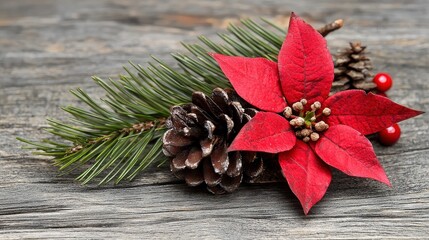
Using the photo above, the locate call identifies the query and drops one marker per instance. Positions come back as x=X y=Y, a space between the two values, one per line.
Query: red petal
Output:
x=367 y=113
x=349 y=151
x=255 y=79
x=266 y=132
x=305 y=64
x=307 y=176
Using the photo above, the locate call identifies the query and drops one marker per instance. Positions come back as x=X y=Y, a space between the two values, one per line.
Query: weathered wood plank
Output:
x=48 y=47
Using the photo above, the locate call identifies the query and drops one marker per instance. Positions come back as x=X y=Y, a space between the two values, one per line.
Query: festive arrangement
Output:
x=264 y=106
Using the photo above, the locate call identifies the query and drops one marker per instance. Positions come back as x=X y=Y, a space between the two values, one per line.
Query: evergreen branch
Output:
x=120 y=135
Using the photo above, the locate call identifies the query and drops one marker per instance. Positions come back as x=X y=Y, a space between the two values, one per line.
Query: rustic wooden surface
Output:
x=48 y=47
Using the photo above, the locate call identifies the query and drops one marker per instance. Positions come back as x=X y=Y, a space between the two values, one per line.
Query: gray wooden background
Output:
x=48 y=47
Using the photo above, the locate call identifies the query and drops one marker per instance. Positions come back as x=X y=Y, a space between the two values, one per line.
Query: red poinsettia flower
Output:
x=298 y=120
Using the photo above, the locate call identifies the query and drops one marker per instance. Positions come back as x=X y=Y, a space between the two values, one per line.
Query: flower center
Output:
x=305 y=122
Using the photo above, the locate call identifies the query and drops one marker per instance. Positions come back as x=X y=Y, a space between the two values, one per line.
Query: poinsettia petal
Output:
x=346 y=149
x=307 y=176
x=266 y=132
x=256 y=80
x=367 y=113
x=305 y=64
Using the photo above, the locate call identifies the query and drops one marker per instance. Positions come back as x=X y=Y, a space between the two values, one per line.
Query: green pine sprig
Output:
x=118 y=136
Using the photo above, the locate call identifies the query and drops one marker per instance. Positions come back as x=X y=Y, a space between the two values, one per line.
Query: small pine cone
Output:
x=352 y=69
x=198 y=136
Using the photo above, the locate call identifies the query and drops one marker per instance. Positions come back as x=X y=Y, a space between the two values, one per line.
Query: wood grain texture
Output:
x=48 y=47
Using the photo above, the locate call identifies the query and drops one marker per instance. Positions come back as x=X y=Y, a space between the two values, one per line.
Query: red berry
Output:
x=390 y=135
x=383 y=81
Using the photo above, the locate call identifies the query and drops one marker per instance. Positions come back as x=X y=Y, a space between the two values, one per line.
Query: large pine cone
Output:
x=352 y=69
x=198 y=136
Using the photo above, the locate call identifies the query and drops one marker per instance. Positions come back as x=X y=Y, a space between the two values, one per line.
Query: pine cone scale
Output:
x=210 y=128
x=255 y=168
x=211 y=178
x=170 y=150
x=231 y=184
x=207 y=146
x=235 y=164
x=194 y=158
x=204 y=102
x=193 y=178
x=175 y=139
x=180 y=159
x=237 y=113
x=179 y=119
x=220 y=98
x=228 y=122
x=219 y=158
